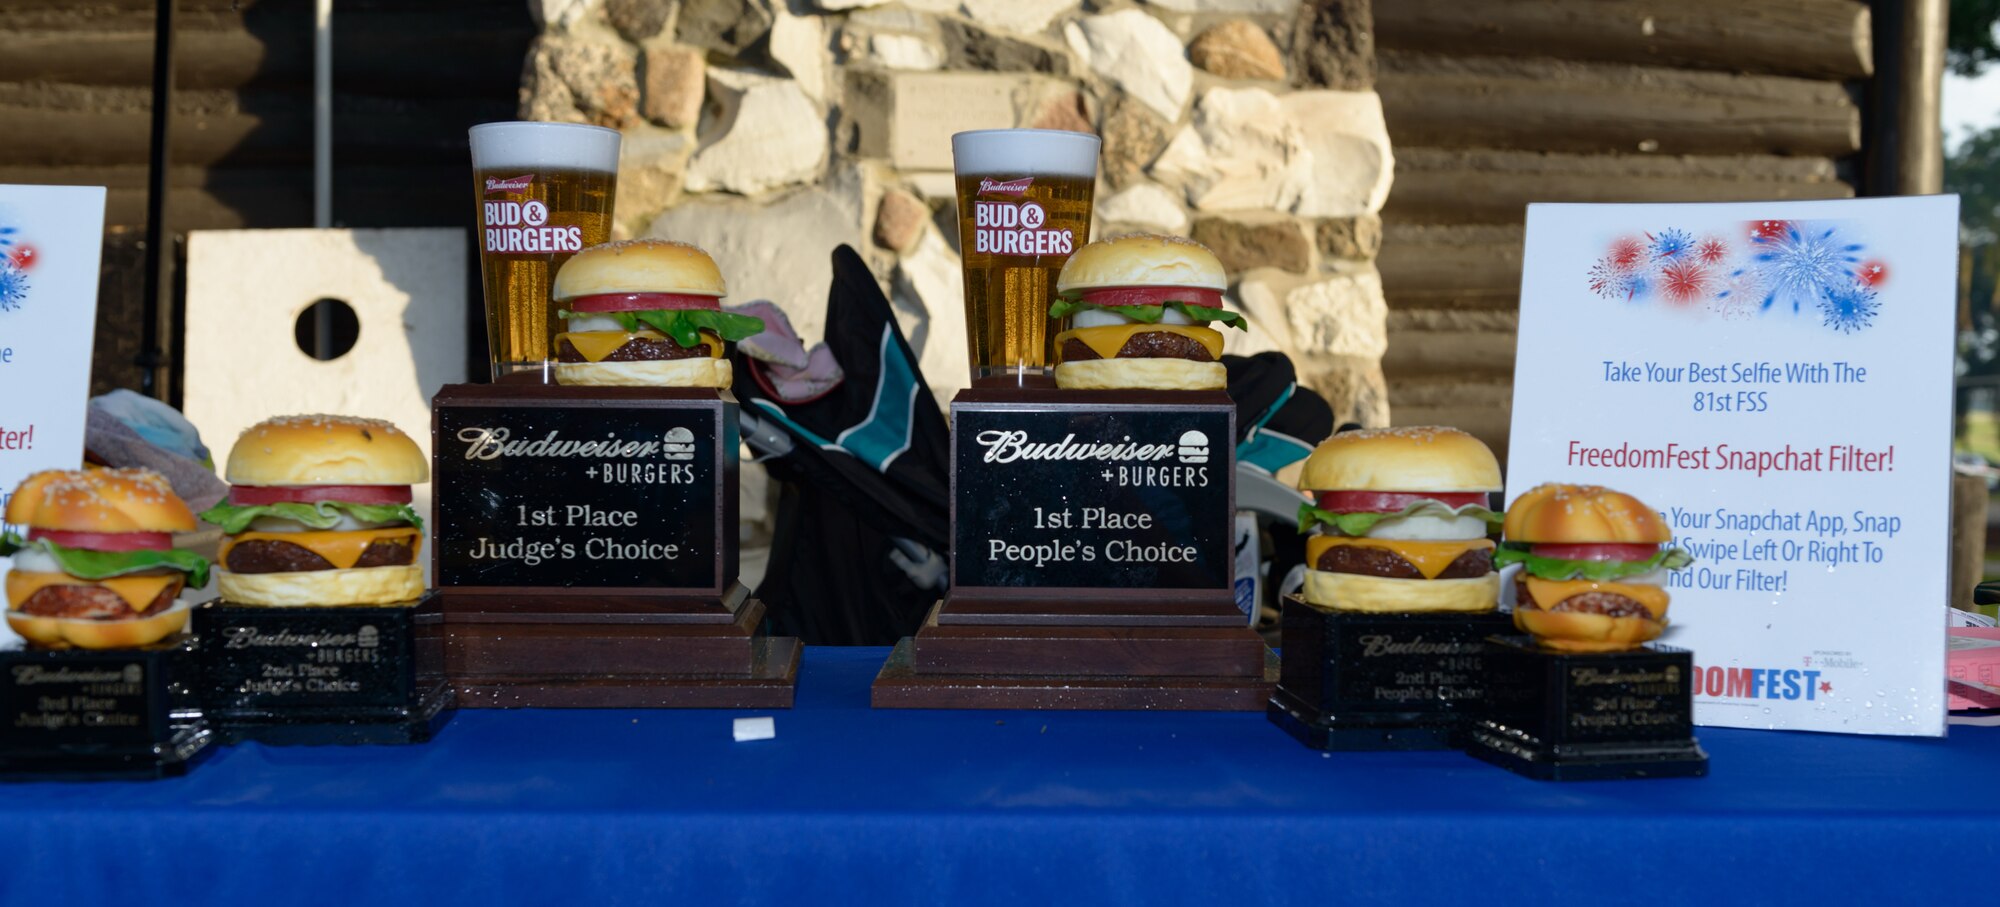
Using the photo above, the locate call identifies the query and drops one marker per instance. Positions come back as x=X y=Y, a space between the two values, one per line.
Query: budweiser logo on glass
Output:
x=1024 y=200
x=544 y=194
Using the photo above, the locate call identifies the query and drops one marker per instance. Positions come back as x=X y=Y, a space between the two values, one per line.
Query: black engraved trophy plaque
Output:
x=1588 y=716
x=99 y=714
x=1091 y=560
x=322 y=675
x=1359 y=680
x=585 y=551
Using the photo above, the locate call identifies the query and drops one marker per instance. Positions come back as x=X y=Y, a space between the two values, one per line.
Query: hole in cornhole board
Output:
x=327 y=329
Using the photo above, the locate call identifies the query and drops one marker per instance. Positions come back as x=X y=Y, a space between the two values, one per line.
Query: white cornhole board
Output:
x=246 y=290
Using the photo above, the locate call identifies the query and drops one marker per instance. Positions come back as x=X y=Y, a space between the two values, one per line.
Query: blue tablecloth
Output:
x=583 y=807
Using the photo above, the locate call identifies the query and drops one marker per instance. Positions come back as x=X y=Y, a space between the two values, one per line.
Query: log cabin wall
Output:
x=409 y=77
x=1492 y=105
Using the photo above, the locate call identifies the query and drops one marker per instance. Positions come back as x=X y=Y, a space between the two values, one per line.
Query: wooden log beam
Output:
x=409 y=55
x=1555 y=105
x=1495 y=187
x=1450 y=344
x=223 y=198
x=1432 y=266
x=258 y=130
x=1814 y=38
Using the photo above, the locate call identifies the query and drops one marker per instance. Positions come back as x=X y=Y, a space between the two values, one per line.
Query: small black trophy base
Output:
x=98 y=715
x=1596 y=716
x=1362 y=680
x=900 y=685
x=317 y=676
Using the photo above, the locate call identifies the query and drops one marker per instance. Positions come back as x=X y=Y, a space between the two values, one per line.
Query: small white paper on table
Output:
x=760 y=728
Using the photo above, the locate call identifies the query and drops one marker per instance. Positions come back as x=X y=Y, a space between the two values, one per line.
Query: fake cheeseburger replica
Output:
x=324 y=632
x=1140 y=307
x=645 y=313
x=1587 y=695
x=1383 y=645
x=94 y=590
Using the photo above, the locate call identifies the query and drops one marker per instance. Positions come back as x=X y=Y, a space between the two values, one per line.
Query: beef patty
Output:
x=1382 y=562
x=93 y=602
x=273 y=556
x=637 y=349
x=1609 y=604
x=1143 y=345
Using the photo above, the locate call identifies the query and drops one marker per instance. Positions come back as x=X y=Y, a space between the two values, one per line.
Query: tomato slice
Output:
x=1595 y=552
x=1154 y=296
x=642 y=302
x=308 y=494
x=106 y=541
x=1395 y=501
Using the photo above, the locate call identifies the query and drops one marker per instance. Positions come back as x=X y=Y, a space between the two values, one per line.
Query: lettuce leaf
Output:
x=1359 y=523
x=234 y=518
x=1151 y=314
x=88 y=564
x=1551 y=568
x=684 y=325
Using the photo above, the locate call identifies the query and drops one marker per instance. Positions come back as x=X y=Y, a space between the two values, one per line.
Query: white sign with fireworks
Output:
x=1776 y=380
x=50 y=241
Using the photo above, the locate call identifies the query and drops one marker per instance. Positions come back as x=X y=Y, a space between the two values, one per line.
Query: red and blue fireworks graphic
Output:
x=15 y=259
x=1792 y=267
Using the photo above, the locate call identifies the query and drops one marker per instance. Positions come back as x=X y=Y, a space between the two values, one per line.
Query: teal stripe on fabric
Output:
x=779 y=414
x=885 y=434
x=1270 y=451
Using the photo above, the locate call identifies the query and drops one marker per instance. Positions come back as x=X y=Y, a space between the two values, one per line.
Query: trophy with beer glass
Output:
x=1092 y=464
x=586 y=509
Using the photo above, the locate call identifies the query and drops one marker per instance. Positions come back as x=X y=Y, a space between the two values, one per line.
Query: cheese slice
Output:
x=137 y=591
x=1106 y=341
x=1548 y=593
x=1430 y=558
x=596 y=346
x=341 y=548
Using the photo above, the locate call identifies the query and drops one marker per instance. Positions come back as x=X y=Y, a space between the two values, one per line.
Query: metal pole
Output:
x=152 y=360
x=323 y=154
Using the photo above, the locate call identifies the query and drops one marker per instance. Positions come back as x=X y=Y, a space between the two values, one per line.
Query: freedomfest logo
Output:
x=16 y=257
x=1776 y=267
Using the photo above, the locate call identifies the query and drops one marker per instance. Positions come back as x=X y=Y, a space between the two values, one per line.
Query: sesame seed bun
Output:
x=63 y=632
x=1142 y=260
x=1425 y=458
x=1380 y=594
x=1582 y=515
x=323 y=588
x=1575 y=631
x=639 y=266
x=1141 y=374
x=700 y=371
x=325 y=450
x=99 y=500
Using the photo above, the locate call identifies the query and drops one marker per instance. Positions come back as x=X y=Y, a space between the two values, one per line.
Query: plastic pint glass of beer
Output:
x=544 y=193
x=1023 y=207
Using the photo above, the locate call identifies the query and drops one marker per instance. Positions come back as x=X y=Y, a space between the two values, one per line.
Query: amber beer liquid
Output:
x=1024 y=199
x=543 y=192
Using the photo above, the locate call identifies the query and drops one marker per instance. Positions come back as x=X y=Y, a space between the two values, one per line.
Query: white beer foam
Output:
x=530 y=145
x=1025 y=152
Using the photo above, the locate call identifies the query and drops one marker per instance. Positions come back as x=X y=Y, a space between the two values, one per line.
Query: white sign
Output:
x=50 y=240
x=1776 y=379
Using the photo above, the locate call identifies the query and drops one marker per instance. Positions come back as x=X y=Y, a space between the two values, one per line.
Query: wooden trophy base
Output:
x=322 y=675
x=99 y=715
x=1588 y=716
x=1358 y=680
x=570 y=650
x=977 y=652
